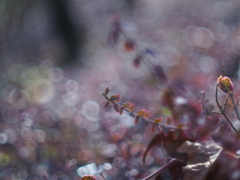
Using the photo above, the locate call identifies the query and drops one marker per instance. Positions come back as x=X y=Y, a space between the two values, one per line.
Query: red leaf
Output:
x=107 y=90
x=158 y=71
x=129 y=45
x=107 y=104
x=137 y=61
x=116 y=107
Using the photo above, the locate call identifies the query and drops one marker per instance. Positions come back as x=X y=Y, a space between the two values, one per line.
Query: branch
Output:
x=134 y=115
x=163 y=168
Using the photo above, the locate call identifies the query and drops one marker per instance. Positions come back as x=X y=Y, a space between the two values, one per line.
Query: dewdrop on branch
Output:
x=225 y=84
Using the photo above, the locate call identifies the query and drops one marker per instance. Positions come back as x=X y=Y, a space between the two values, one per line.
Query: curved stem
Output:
x=223 y=110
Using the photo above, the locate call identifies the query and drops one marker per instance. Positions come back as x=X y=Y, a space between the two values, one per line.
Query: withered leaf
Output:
x=169 y=143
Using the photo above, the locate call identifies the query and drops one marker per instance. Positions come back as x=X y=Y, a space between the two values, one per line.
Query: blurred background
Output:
x=55 y=62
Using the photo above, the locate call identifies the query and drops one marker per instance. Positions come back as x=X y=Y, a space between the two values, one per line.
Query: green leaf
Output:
x=158 y=120
x=141 y=113
x=115 y=98
x=180 y=126
x=131 y=108
x=127 y=105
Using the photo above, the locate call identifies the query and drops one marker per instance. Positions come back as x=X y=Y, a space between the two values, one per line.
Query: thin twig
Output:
x=102 y=176
x=162 y=169
x=224 y=105
x=234 y=106
x=223 y=112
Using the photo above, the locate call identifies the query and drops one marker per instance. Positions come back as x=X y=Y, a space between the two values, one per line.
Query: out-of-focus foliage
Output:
x=58 y=56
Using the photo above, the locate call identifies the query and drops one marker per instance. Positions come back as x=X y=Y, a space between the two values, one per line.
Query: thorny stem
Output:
x=134 y=115
x=235 y=106
x=222 y=110
x=162 y=169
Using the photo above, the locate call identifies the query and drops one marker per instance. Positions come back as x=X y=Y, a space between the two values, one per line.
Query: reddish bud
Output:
x=225 y=84
x=129 y=45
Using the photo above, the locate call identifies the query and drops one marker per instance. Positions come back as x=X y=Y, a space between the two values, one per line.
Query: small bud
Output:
x=225 y=84
x=129 y=45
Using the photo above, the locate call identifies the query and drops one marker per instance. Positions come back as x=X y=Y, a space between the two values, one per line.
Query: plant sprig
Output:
x=142 y=114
